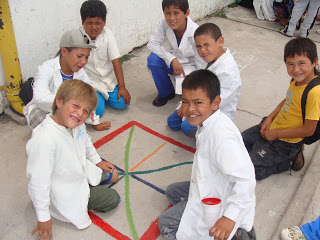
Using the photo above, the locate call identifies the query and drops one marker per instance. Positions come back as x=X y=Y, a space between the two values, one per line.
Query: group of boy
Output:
x=208 y=78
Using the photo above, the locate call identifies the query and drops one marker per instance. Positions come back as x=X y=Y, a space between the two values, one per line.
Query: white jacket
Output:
x=46 y=83
x=221 y=169
x=186 y=53
x=60 y=168
x=228 y=73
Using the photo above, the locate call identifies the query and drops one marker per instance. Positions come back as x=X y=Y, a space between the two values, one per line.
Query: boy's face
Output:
x=93 y=26
x=196 y=106
x=176 y=18
x=209 y=49
x=74 y=60
x=71 y=113
x=300 y=68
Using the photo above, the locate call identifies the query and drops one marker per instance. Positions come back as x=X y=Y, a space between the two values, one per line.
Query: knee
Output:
x=188 y=129
x=174 y=121
x=154 y=60
x=114 y=200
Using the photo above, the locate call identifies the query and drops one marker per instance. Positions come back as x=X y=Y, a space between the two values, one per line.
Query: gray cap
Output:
x=75 y=38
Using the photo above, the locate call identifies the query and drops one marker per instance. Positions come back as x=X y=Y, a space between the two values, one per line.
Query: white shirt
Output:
x=60 y=168
x=186 y=52
x=222 y=169
x=99 y=67
x=226 y=69
x=46 y=83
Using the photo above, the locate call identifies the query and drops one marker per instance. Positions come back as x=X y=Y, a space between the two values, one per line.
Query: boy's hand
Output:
x=177 y=68
x=179 y=113
x=270 y=135
x=107 y=166
x=222 y=228
x=265 y=125
x=122 y=91
x=45 y=230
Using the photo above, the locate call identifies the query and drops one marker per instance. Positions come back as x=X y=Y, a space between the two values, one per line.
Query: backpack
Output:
x=283 y=10
x=316 y=135
x=26 y=91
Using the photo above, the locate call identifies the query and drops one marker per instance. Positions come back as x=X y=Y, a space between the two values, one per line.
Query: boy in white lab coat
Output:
x=180 y=58
x=221 y=169
x=62 y=162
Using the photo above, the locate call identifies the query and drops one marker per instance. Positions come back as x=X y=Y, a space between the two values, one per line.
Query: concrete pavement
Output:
x=152 y=156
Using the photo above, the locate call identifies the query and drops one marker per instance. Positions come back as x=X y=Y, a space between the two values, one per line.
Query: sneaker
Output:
x=293 y=233
x=298 y=160
x=160 y=101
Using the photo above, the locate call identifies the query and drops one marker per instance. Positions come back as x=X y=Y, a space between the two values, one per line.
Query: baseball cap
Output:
x=75 y=38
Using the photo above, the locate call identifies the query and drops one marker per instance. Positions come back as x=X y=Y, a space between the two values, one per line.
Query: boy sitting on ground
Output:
x=209 y=42
x=221 y=169
x=104 y=67
x=181 y=58
x=64 y=167
x=279 y=137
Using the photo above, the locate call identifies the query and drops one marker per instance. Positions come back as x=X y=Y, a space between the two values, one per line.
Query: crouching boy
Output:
x=63 y=166
x=222 y=169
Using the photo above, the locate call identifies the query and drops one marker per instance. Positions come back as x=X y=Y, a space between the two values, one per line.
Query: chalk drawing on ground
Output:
x=243 y=59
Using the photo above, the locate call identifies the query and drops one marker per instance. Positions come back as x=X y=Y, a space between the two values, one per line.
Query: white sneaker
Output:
x=293 y=233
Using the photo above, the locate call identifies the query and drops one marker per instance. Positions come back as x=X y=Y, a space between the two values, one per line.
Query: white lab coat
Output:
x=264 y=9
x=222 y=169
x=60 y=168
x=99 y=66
x=228 y=73
x=46 y=84
x=186 y=53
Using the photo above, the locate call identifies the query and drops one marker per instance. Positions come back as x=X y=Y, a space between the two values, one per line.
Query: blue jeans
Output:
x=160 y=73
x=311 y=230
x=268 y=157
x=112 y=101
x=175 y=123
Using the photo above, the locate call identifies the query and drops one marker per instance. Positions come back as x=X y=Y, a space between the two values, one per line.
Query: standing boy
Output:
x=181 y=57
x=64 y=167
x=221 y=169
x=104 y=67
x=209 y=43
x=279 y=137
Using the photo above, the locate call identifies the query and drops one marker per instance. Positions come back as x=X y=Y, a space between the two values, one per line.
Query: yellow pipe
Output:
x=10 y=60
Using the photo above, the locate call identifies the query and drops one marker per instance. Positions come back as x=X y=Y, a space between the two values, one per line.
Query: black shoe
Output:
x=160 y=101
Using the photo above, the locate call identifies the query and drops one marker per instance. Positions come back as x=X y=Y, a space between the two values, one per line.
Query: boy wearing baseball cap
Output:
x=73 y=55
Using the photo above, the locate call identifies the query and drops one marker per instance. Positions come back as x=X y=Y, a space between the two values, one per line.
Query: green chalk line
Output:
x=127 y=191
x=111 y=185
x=160 y=169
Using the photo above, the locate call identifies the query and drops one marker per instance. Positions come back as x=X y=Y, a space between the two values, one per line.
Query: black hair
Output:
x=69 y=49
x=182 y=4
x=208 y=29
x=204 y=79
x=93 y=8
x=302 y=46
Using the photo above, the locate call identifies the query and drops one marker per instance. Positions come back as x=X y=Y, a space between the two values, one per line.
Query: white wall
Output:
x=39 y=24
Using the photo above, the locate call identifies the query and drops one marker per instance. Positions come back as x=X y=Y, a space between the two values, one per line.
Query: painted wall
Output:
x=39 y=24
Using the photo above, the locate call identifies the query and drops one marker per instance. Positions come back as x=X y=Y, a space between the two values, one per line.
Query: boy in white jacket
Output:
x=222 y=169
x=180 y=58
x=63 y=166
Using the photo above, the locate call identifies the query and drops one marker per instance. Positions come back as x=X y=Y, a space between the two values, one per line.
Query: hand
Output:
x=45 y=230
x=265 y=125
x=222 y=228
x=122 y=91
x=177 y=68
x=107 y=166
x=180 y=113
x=270 y=135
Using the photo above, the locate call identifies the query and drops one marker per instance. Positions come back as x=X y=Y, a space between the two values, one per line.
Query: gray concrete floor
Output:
x=282 y=200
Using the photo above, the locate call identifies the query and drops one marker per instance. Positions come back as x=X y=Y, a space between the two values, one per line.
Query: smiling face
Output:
x=196 y=105
x=74 y=60
x=209 y=49
x=93 y=26
x=176 y=19
x=301 y=69
x=71 y=113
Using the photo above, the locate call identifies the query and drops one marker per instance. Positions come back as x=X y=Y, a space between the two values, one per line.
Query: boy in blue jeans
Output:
x=181 y=57
x=221 y=169
x=278 y=138
x=103 y=68
x=64 y=168
x=209 y=43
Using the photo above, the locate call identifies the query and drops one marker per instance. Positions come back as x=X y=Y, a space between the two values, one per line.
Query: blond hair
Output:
x=76 y=89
